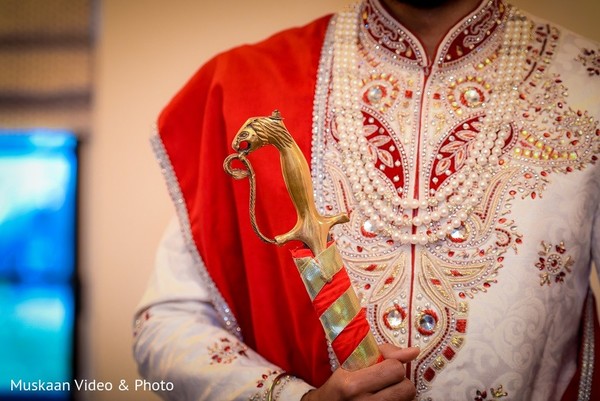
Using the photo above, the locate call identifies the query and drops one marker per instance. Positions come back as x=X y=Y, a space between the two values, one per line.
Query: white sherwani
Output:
x=491 y=284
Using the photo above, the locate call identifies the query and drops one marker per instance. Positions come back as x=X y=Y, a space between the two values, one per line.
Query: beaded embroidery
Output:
x=590 y=59
x=417 y=291
x=553 y=263
x=262 y=385
x=226 y=351
x=495 y=394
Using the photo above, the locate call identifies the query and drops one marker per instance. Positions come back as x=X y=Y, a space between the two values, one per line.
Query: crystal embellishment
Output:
x=473 y=97
x=368 y=230
x=375 y=94
x=458 y=235
x=427 y=322
x=394 y=317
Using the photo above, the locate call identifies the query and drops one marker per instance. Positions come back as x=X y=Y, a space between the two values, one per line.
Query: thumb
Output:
x=404 y=355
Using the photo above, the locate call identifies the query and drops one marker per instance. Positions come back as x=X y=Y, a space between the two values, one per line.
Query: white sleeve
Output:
x=180 y=345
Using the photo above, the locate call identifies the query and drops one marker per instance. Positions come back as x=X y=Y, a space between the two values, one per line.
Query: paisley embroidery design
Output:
x=419 y=137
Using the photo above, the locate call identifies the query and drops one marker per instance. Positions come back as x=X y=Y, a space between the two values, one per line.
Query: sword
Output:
x=319 y=264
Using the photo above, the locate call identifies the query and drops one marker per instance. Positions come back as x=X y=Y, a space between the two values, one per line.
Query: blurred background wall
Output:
x=145 y=50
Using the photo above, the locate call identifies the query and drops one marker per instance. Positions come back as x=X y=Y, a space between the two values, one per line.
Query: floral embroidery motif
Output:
x=226 y=351
x=553 y=263
x=261 y=385
x=421 y=295
x=381 y=91
x=495 y=393
x=470 y=92
x=139 y=322
x=590 y=59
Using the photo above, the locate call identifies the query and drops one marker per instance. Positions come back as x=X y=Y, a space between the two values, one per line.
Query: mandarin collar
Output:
x=469 y=35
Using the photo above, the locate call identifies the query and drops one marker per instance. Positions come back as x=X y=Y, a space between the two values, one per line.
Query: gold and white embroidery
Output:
x=420 y=126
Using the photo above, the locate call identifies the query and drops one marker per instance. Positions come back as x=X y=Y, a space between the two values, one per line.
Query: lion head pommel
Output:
x=260 y=131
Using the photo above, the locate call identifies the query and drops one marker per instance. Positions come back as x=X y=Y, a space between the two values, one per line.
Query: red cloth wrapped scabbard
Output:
x=343 y=319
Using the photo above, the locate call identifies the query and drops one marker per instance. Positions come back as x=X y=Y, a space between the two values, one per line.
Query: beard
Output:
x=424 y=4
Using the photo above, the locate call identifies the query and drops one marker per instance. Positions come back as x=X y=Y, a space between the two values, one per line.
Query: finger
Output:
x=375 y=378
x=404 y=355
x=403 y=391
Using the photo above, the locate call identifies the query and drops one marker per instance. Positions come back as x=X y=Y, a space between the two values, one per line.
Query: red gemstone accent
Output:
x=389 y=280
x=408 y=94
x=367 y=286
x=436 y=96
x=370 y=268
x=435 y=281
x=462 y=295
x=449 y=353
x=429 y=374
x=455 y=273
x=461 y=325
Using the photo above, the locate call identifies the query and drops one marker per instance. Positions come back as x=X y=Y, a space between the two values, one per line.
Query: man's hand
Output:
x=385 y=381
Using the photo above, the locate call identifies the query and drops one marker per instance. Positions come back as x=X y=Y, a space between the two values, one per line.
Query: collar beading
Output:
x=464 y=38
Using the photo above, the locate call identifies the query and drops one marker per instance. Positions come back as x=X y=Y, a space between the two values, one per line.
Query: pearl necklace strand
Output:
x=448 y=208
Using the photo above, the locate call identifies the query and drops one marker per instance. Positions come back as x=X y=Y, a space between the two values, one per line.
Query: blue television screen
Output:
x=38 y=184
